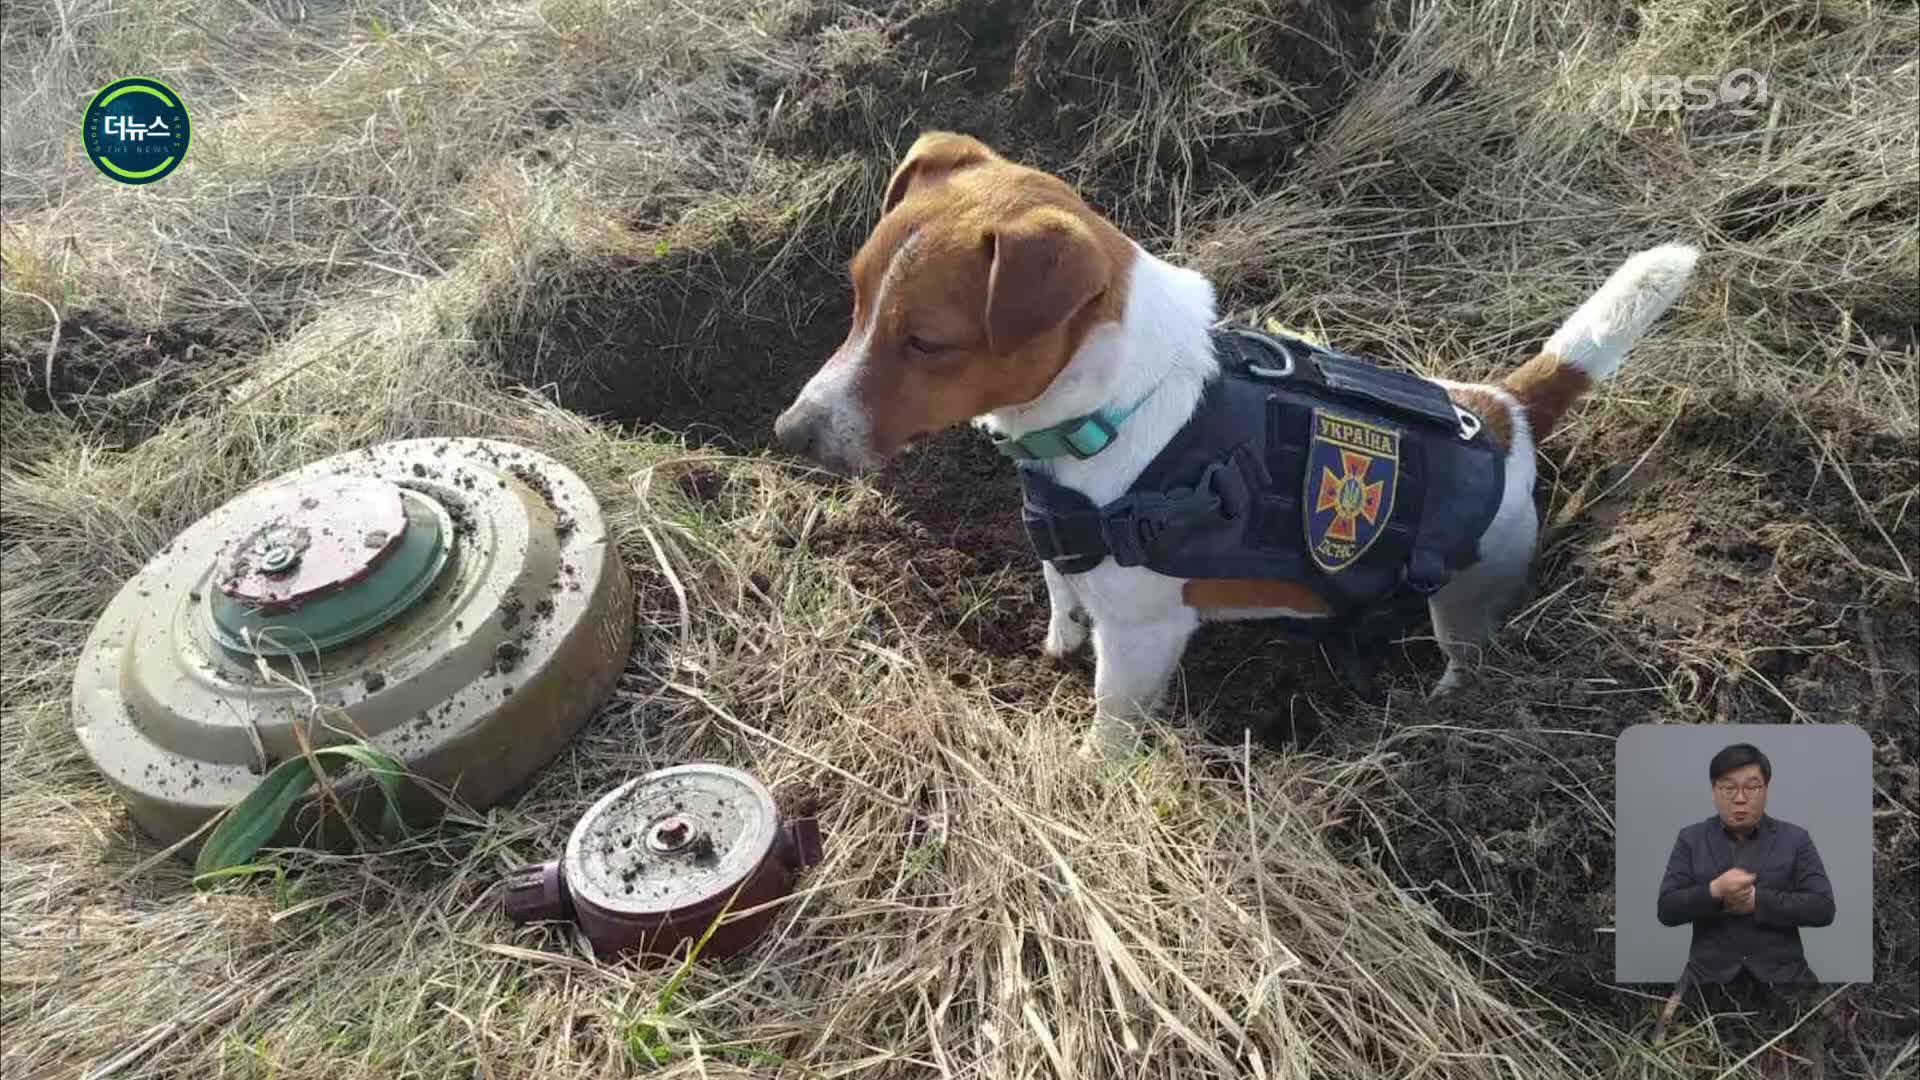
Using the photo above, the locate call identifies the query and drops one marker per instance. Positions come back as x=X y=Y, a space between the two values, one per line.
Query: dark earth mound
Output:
x=1033 y=79
x=121 y=381
x=667 y=342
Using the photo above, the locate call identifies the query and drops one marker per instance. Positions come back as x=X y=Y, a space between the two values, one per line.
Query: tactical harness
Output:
x=1292 y=454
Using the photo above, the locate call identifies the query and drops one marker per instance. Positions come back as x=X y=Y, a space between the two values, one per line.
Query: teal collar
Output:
x=1081 y=437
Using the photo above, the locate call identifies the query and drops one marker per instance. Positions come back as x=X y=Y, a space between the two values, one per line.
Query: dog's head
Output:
x=977 y=286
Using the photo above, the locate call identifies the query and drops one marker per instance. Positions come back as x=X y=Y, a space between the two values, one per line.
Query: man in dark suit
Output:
x=1747 y=882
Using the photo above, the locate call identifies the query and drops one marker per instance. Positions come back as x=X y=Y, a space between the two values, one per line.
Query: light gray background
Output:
x=1822 y=782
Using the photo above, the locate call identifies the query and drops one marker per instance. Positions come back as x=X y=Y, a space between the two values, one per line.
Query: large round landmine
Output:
x=655 y=861
x=454 y=602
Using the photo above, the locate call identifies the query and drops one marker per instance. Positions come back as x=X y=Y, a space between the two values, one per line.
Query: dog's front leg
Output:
x=1132 y=663
x=1065 y=634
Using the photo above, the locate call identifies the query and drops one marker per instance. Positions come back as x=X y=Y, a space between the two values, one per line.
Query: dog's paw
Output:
x=1454 y=678
x=1110 y=740
x=1065 y=636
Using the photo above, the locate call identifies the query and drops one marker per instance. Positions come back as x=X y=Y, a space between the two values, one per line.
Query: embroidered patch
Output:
x=1352 y=469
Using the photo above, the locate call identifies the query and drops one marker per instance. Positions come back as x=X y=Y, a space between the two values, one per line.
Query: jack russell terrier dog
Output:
x=1175 y=470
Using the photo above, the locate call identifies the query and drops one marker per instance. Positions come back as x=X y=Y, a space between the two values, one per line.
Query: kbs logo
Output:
x=136 y=130
x=1742 y=92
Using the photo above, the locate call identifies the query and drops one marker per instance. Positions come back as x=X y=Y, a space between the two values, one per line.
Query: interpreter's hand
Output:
x=1726 y=885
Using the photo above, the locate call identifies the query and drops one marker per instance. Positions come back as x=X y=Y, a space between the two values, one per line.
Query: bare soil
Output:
x=125 y=381
x=1032 y=78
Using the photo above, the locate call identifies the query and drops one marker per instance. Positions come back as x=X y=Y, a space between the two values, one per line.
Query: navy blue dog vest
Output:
x=1303 y=464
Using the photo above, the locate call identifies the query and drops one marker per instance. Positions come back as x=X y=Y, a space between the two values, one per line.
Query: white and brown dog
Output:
x=991 y=292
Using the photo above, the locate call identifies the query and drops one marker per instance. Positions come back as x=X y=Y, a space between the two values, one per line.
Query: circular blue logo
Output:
x=136 y=130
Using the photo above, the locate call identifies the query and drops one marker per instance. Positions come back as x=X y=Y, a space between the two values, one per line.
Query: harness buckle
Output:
x=1132 y=526
x=1287 y=361
x=1071 y=440
x=1042 y=533
x=1469 y=423
x=1129 y=533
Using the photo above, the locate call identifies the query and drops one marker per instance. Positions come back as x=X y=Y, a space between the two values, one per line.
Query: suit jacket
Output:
x=1791 y=891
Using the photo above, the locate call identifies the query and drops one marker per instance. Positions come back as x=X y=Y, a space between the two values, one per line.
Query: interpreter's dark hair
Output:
x=1737 y=756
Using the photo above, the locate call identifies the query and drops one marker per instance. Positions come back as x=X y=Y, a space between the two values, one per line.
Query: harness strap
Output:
x=1274 y=357
x=1132 y=526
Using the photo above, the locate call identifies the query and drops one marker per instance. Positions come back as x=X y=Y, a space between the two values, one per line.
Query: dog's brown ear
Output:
x=933 y=157
x=1047 y=265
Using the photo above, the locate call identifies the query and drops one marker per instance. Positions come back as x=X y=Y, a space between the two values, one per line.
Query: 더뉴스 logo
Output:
x=136 y=130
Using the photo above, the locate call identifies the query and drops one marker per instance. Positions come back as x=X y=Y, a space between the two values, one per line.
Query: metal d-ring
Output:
x=1267 y=372
x=1469 y=424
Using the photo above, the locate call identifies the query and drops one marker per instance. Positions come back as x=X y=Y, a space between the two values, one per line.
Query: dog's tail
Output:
x=1589 y=346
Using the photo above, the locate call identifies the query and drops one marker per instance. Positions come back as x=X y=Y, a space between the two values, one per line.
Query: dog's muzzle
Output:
x=812 y=431
x=797 y=431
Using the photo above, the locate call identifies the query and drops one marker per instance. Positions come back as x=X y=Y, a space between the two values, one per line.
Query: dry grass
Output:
x=386 y=201
x=988 y=899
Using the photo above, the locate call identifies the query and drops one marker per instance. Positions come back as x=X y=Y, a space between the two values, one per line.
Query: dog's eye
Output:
x=923 y=346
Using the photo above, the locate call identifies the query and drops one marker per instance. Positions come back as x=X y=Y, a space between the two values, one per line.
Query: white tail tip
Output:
x=1597 y=336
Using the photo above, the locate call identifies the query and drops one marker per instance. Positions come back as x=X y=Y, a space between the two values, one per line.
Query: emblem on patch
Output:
x=1352 y=469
